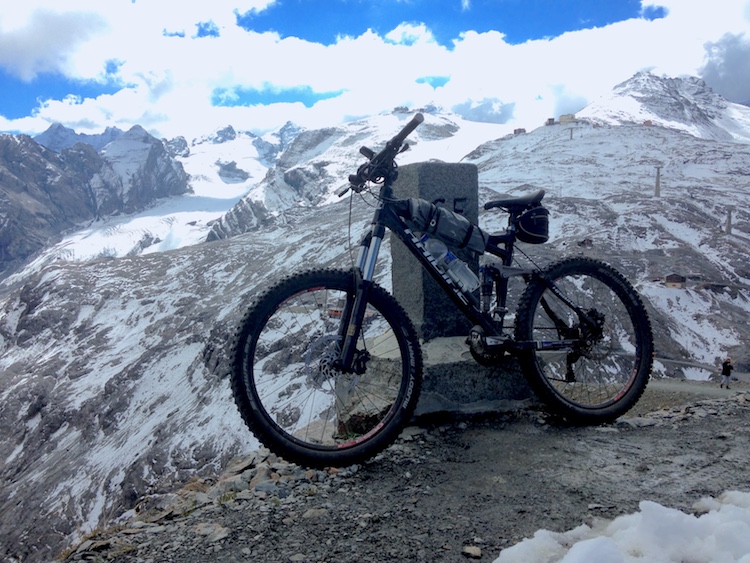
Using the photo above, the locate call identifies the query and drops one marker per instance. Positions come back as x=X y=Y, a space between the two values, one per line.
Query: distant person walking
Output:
x=726 y=372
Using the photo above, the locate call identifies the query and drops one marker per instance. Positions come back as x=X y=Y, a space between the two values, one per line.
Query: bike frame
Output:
x=385 y=217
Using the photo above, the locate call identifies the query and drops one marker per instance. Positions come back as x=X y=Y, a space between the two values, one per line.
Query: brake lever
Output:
x=367 y=170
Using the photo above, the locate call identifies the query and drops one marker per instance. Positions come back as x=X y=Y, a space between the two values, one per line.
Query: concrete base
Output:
x=455 y=383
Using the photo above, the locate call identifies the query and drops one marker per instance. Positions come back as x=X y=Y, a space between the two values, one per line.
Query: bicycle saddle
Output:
x=516 y=204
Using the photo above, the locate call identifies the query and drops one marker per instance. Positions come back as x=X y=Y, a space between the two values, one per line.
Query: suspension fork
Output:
x=354 y=313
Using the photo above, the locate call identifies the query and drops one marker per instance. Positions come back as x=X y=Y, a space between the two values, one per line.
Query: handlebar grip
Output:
x=367 y=153
x=411 y=126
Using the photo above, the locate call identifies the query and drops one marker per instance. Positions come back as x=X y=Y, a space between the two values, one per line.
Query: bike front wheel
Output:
x=289 y=387
x=585 y=339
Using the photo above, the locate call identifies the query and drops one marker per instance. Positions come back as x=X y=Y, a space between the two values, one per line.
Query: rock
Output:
x=269 y=486
x=212 y=532
x=227 y=486
x=314 y=513
x=472 y=552
x=243 y=463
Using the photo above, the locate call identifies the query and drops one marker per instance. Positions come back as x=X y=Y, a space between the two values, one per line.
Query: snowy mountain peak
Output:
x=138 y=133
x=681 y=98
x=58 y=137
x=686 y=104
x=125 y=147
x=284 y=136
x=645 y=82
x=224 y=135
x=144 y=167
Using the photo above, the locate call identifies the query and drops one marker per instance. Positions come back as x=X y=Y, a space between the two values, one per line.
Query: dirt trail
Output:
x=480 y=483
x=665 y=393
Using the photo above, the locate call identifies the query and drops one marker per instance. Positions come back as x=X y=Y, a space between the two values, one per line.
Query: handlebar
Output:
x=380 y=165
x=408 y=128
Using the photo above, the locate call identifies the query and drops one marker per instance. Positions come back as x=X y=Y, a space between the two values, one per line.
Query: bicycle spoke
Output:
x=297 y=382
x=588 y=338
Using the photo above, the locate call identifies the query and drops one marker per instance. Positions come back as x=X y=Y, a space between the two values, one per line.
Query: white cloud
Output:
x=46 y=42
x=169 y=80
x=727 y=67
x=410 y=34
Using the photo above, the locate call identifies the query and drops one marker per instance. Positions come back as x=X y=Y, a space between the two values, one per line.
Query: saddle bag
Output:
x=453 y=229
x=532 y=225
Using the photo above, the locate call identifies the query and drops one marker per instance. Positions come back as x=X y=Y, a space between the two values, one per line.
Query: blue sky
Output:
x=259 y=63
x=519 y=20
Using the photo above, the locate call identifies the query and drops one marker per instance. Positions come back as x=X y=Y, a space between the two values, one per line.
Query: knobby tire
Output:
x=606 y=371
x=288 y=388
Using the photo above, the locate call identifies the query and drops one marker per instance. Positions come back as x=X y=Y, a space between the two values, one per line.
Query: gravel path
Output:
x=451 y=490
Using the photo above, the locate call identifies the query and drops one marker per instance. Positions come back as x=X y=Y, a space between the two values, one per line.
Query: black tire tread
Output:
x=256 y=422
x=553 y=402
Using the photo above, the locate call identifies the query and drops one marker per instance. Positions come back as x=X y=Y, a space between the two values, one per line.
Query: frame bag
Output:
x=453 y=229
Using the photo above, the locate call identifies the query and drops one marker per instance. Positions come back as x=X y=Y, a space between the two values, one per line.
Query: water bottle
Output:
x=456 y=269
x=460 y=272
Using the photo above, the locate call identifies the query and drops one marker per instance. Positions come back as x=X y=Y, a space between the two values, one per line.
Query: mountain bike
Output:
x=327 y=366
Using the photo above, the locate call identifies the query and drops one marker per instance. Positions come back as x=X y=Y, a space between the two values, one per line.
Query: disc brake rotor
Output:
x=319 y=363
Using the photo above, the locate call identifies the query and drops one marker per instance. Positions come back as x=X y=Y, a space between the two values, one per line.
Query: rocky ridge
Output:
x=44 y=193
x=58 y=137
x=685 y=104
x=314 y=165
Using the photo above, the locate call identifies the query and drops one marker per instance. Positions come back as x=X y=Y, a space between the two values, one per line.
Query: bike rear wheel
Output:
x=589 y=371
x=287 y=385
